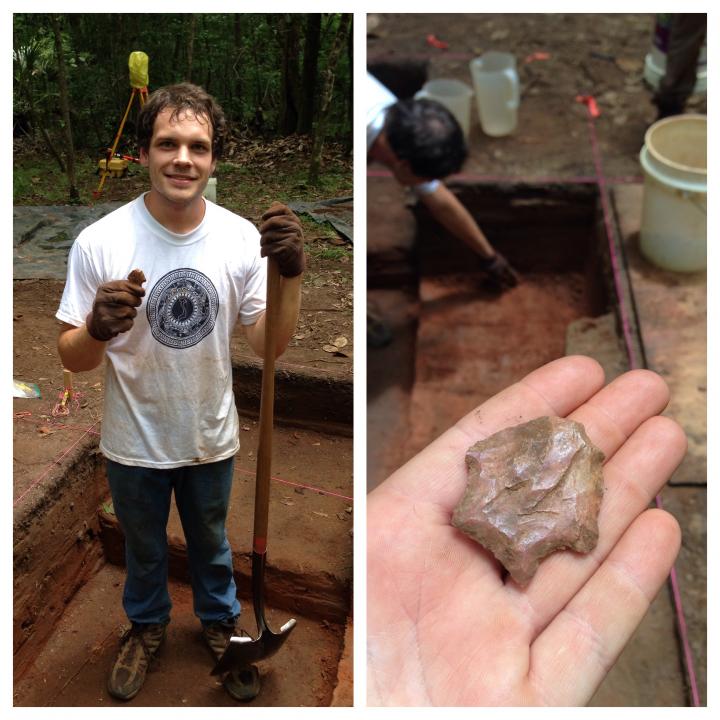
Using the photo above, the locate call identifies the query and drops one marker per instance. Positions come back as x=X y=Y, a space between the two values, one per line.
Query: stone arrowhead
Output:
x=532 y=489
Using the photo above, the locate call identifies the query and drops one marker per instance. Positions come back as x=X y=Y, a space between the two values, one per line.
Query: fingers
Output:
x=633 y=477
x=276 y=208
x=642 y=451
x=437 y=474
x=611 y=416
x=114 y=309
x=280 y=224
x=281 y=238
x=120 y=292
x=575 y=652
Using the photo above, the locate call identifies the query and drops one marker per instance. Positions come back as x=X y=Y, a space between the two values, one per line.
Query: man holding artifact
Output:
x=156 y=288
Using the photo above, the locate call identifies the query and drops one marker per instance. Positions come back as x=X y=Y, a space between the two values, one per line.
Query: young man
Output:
x=169 y=421
x=420 y=141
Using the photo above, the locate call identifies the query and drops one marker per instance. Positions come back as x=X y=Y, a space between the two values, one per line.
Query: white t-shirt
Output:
x=168 y=382
x=379 y=99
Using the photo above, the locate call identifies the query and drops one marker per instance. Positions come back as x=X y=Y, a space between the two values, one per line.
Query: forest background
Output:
x=283 y=80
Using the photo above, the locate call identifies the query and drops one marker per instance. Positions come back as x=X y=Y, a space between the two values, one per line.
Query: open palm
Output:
x=446 y=628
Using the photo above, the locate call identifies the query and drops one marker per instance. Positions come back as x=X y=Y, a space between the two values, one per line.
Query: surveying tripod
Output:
x=138 y=65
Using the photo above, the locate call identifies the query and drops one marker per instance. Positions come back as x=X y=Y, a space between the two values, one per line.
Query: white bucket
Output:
x=673 y=234
x=497 y=90
x=210 y=191
x=454 y=95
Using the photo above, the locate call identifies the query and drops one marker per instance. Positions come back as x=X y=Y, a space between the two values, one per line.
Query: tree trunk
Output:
x=309 y=73
x=349 y=96
x=190 y=48
x=290 y=73
x=65 y=109
x=237 y=65
x=326 y=97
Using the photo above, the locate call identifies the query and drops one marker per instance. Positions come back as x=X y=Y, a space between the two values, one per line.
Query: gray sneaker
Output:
x=243 y=684
x=138 y=646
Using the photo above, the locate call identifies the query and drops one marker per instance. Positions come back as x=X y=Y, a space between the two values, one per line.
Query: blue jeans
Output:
x=141 y=498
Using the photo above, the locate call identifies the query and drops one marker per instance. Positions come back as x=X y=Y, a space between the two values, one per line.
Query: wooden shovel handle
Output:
x=267 y=397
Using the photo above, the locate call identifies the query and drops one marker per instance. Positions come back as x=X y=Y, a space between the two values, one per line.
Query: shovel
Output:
x=243 y=651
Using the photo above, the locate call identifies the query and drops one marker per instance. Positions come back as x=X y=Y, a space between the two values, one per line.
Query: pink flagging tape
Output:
x=540 y=179
x=675 y=586
x=682 y=627
x=53 y=464
x=319 y=491
x=612 y=241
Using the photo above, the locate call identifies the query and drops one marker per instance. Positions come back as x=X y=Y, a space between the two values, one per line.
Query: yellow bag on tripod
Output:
x=138 y=64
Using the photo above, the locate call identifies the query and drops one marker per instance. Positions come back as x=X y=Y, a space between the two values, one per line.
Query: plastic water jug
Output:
x=673 y=234
x=497 y=90
x=454 y=95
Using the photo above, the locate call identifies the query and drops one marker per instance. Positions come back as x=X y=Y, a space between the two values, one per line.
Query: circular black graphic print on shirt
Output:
x=182 y=308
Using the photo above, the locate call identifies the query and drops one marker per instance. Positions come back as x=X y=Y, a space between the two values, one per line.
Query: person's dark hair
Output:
x=183 y=98
x=427 y=135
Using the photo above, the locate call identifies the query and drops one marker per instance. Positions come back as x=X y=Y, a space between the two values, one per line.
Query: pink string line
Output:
x=25 y=417
x=54 y=463
x=682 y=626
x=544 y=179
x=624 y=315
x=319 y=491
x=679 y=613
x=90 y=431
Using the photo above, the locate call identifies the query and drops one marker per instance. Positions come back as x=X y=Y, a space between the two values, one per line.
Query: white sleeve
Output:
x=81 y=286
x=426 y=188
x=378 y=99
x=252 y=303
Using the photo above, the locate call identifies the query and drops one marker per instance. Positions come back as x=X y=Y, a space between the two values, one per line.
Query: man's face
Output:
x=179 y=157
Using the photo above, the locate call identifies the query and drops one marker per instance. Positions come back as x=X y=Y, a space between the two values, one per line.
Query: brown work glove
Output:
x=500 y=275
x=114 y=309
x=281 y=238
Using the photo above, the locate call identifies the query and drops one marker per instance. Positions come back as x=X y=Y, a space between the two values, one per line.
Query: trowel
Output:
x=245 y=650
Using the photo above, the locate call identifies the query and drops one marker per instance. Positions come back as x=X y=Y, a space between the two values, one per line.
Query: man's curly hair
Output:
x=183 y=98
x=427 y=135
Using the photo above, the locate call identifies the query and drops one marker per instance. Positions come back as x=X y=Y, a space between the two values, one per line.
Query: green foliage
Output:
x=329 y=253
x=237 y=57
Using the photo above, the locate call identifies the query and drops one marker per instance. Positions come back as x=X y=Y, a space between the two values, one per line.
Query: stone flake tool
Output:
x=532 y=489
x=243 y=650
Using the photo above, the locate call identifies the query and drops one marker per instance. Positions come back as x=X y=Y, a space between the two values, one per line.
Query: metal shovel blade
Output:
x=243 y=651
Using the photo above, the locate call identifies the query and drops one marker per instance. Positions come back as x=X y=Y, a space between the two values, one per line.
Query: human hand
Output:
x=281 y=238
x=114 y=308
x=444 y=628
x=500 y=275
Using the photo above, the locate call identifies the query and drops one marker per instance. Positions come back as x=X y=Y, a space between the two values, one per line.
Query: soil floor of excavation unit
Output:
x=73 y=667
x=471 y=344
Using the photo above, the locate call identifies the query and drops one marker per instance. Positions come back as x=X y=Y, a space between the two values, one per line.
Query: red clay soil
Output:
x=471 y=345
x=56 y=514
x=40 y=438
x=73 y=667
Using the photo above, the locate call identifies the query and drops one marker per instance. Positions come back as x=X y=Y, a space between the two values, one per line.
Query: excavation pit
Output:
x=68 y=547
x=457 y=343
